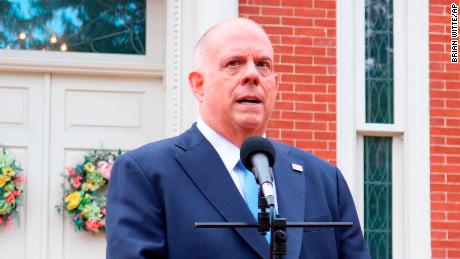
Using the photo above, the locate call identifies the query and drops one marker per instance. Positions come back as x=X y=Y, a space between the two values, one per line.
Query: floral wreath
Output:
x=11 y=188
x=85 y=190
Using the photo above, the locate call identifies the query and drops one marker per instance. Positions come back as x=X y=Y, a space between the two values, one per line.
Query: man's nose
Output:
x=251 y=75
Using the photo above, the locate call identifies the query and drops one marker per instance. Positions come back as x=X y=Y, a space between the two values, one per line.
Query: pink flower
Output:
x=105 y=168
x=13 y=196
x=103 y=211
x=10 y=198
x=1 y=220
x=19 y=179
x=93 y=225
x=70 y=171
x=77 y=181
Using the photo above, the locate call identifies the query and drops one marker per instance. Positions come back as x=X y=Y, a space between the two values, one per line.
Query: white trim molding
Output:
x=173 y=66
x=410 y=132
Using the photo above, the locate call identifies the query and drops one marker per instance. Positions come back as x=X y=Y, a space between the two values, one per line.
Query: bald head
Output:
x=231 y=24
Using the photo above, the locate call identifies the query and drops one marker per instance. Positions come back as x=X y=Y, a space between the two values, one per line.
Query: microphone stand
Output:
x=275 y=223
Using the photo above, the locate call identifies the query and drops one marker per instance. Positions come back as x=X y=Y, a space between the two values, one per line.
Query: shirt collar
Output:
x=228 y=153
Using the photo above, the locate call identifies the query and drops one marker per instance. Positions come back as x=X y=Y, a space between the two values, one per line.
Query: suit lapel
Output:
x=204 y=166
x=290 y=192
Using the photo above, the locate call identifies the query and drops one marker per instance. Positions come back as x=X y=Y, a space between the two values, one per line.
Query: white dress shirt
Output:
x=230 y=156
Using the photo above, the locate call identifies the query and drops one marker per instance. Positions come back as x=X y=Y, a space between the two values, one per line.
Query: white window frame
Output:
x=410 y=131
x=152 y=63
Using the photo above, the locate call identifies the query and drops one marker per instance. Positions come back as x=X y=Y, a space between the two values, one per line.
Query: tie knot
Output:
x=242 y=167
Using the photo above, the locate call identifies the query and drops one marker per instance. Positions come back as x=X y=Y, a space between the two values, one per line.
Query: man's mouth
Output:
x=249 y=100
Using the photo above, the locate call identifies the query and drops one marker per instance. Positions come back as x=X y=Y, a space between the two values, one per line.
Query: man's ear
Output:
x=196 y=82
x=277 y=82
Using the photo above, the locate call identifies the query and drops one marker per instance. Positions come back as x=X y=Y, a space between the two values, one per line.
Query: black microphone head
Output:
x=256 y=144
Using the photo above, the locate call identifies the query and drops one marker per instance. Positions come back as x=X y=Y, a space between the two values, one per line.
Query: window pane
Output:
x=84 y=26
x=377 y=196
x=379 y=61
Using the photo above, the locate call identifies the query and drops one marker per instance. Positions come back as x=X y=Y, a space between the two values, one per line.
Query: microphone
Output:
x=258 y=155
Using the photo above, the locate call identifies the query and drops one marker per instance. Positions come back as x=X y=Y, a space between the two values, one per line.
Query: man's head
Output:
x=234 y=81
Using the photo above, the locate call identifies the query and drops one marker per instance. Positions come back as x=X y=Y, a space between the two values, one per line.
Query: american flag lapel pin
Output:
x=297 y=168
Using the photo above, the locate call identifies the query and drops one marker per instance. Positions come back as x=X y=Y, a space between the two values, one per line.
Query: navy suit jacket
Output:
x=157 y=193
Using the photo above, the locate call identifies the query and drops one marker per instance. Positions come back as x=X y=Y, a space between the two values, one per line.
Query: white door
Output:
x=50 y=121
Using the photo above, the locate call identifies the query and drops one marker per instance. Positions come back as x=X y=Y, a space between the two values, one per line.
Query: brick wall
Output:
x=304 y=37
x=445 y=136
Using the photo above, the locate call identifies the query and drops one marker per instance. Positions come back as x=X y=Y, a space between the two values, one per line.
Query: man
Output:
x=158 y=192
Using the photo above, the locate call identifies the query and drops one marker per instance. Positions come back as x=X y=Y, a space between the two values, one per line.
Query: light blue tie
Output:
x=251 y=193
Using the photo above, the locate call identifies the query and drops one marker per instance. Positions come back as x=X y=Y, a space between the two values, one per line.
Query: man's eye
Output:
x=265 y=64
x=233 y=63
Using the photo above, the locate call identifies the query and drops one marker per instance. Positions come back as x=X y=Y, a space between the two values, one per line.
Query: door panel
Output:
x=95 y=112
x=21 y=128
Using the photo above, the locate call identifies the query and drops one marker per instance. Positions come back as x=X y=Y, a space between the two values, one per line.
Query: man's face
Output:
x=239 y=85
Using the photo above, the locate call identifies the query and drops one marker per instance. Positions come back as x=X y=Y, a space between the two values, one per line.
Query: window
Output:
x=117 y=27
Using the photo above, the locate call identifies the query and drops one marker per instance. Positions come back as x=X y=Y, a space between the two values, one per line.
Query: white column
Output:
x=198 y=16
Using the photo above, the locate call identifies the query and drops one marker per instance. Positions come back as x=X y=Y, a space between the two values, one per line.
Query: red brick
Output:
x=279 y=30
x=325 y=79
x=445 y=149
x=284 y=49
x=297 y=59
x=454 y=104
x=453 y=216
x=281 y=124
x=310 y=107
x=305 y=41
x=325 y=117
x=325 y=154
x=313 y=32
x=439 y=19
x=445 y=168
x=324 y=60
x=296 y=21
x=297 y=78
x=310 y=125
x=437 y=140
x=301 y=116
x=266 y=19
x=296 y=134
x=284 y=68
x=438 y=197
x=296 y=97
x=455 y=141
x=279 y=11
x=310 y=13
x=438 y=234
x=445 y=188
x=437 y=159
x=325 y=23
x=438 y=28
x=310 y=69
x=249 y=9
x=438 y=178
x=280 y=105
x=313 y=51
x=436 y=9
x=434 y=47
x=325 y=4
x=453 y=159
x=445 y=112
x=453 y=197
x=310 y=145
x=311 y=88
x=297 y=3
x=264 y=2
x=324 y=42
x=325 y=98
